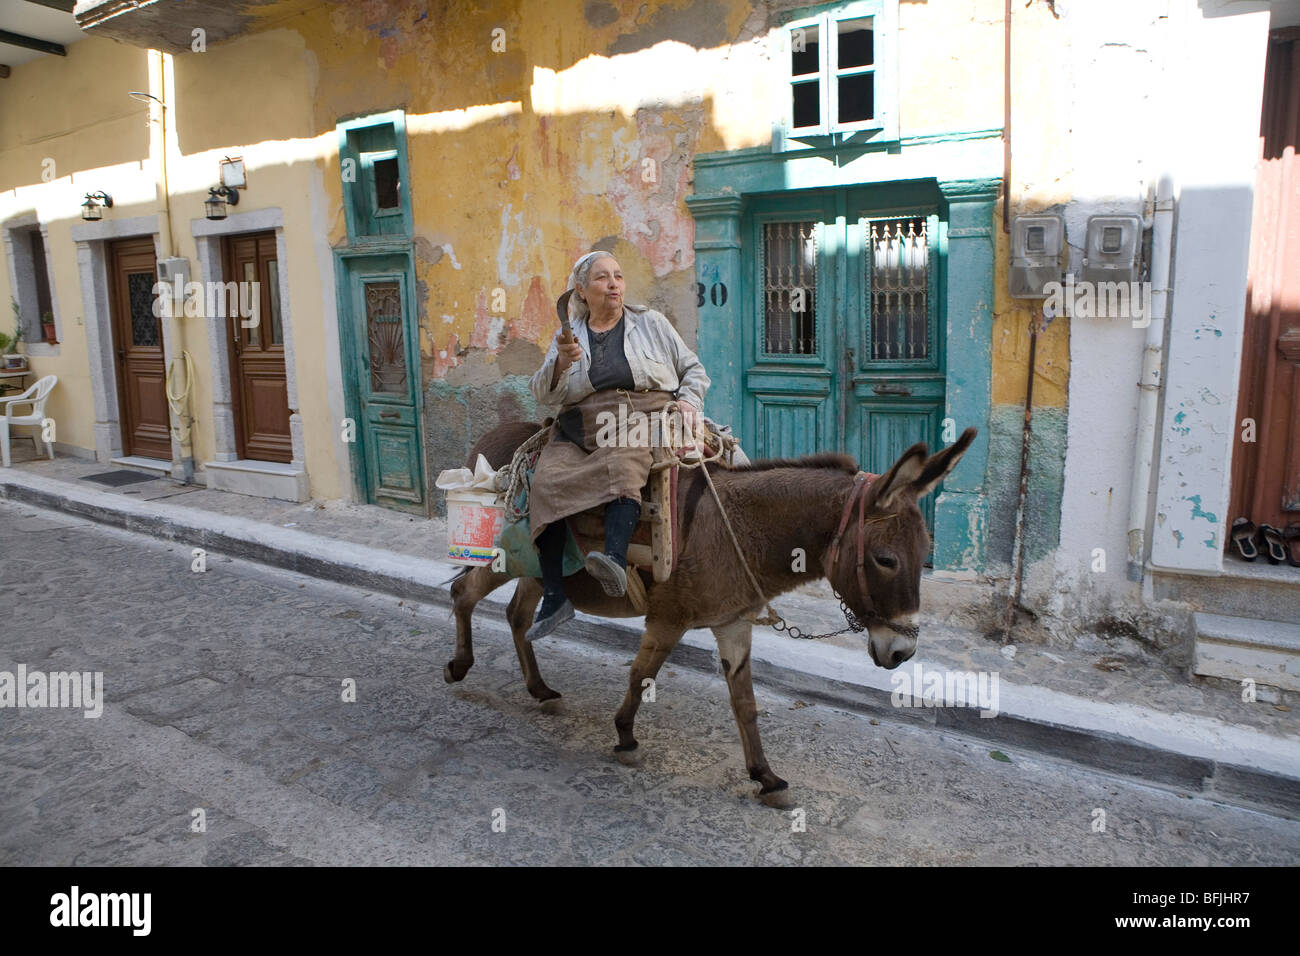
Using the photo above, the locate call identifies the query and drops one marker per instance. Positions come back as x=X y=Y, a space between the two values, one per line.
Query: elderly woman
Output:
x=626 y=356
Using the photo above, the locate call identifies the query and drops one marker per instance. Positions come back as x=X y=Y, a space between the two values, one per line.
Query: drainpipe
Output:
x=1026 y=435
x=158 y=118
x=178 y=368
x=1162 y=231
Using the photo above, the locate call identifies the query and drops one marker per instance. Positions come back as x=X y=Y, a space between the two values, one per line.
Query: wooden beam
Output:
x=64 y=5
x=31 y=43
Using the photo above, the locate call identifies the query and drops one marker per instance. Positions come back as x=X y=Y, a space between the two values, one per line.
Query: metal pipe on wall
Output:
x=1162 y=231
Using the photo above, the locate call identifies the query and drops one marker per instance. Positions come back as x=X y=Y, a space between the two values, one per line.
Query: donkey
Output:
x=866 y=536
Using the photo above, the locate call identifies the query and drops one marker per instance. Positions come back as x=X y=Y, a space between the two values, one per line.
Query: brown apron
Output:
x=576 y=472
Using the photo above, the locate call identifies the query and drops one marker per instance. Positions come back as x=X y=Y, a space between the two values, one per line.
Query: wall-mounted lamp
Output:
x=92 y=210
x=218 y=196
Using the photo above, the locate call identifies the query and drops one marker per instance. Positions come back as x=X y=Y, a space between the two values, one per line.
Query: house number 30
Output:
x=717 y=294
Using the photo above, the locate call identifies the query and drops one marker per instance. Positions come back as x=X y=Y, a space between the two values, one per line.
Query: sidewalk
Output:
x=1140 y=720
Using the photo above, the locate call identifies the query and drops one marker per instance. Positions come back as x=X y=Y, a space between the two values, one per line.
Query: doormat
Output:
x=115 y=478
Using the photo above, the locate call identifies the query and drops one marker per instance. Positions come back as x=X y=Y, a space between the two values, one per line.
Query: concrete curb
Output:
x=1196 y=754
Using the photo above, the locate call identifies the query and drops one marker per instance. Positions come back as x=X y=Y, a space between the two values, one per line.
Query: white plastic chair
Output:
x=35 y=397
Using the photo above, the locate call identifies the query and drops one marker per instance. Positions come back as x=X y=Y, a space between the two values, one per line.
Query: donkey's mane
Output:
x=824 y=460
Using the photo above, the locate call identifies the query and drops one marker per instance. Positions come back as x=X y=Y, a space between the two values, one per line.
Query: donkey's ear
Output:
x=940 y=464
x=899 y=478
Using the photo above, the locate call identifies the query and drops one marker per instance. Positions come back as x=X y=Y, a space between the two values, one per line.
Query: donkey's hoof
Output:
x=778 y=796
x=455 y=671
x=628 y=755
x=554 y=705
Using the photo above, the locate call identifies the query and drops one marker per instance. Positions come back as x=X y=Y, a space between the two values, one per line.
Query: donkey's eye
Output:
x=886 y=560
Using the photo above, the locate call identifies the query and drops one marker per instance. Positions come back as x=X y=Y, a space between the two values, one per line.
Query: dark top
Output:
x=609 y=367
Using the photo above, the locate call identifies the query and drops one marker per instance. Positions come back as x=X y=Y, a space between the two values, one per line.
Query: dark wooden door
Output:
x=138 y=348
x=255 y=338
x=1266 y=472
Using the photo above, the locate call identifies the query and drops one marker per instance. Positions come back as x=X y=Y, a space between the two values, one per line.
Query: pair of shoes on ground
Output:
x=1280 y=545
x=557 y=609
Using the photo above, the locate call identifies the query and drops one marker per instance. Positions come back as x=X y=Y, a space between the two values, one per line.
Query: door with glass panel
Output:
x=843 y=351
x=138 y=347
x=255 y=336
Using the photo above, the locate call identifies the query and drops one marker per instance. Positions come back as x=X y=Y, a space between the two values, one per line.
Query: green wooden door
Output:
x=382 y=368
x=842 y=345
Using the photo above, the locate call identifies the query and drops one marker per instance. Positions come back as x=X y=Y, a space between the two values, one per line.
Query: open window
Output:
x=372 y=162
x=840 y=68
x=31 y=286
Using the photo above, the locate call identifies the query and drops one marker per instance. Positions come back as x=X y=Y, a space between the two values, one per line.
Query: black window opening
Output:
x=387 y=184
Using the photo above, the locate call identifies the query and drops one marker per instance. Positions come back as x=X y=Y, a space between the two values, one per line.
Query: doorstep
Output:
x=155 y=465
x=261 y=479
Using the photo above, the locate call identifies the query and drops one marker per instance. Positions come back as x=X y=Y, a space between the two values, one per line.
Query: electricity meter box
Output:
x=1037 y=255
x=1112 y=251
x=177 y=267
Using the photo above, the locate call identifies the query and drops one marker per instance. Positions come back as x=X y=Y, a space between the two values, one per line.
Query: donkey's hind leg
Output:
x=656 y=644
x=466 y=591
x=520 y=611
x=734 y=641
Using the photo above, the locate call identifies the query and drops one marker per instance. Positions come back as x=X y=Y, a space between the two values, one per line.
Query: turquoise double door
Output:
x=841 y=340
x=379 y=341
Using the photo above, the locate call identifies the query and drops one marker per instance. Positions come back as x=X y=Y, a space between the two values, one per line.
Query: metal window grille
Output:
x=900 y=285
x=789 y=288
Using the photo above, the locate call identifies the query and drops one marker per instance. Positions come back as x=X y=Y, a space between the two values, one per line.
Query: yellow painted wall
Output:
x=58 y=118
x=520 y=160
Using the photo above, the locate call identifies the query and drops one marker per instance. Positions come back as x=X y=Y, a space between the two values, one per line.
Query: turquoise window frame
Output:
x=365 y=222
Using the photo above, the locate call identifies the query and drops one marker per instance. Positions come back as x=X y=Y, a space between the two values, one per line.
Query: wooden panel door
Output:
x=895 y=386
x=792 y=368
x=384 y=370
x=259 y=393
x=843 y=352
x=138 y=348
x=1266 y=472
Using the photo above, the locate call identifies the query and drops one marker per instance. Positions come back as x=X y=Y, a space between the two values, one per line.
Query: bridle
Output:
x=861 y=482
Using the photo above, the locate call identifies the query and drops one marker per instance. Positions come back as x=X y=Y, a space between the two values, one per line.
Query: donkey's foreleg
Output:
x=466 y=592
x=520 y=611
x=734 y=641
x=656 y=644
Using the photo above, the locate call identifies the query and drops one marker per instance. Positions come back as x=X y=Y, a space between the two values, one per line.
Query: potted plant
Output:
x=47 y=328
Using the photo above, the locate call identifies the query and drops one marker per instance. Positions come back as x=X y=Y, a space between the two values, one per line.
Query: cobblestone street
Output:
x=223 y=692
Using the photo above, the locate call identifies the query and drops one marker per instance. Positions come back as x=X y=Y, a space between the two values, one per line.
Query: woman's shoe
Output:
x=555 y=610
x=1243 y=538
x=611 y=575
x=1291 y=538
x=1274 y=543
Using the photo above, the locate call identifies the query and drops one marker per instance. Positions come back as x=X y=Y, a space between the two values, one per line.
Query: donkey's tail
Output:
x=455 y=577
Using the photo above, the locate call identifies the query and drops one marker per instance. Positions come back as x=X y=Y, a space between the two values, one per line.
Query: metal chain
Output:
x=778 y=623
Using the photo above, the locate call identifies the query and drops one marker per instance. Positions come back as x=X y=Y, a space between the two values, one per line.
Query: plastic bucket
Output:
x=474 y=523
